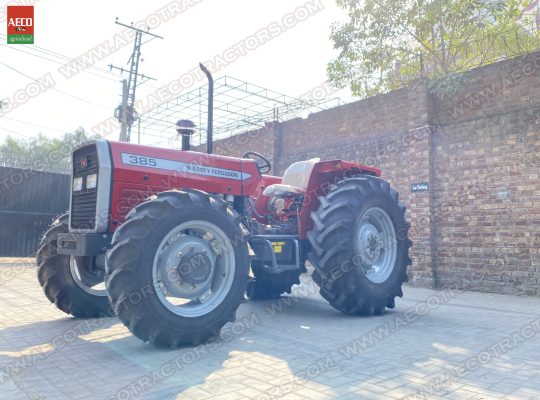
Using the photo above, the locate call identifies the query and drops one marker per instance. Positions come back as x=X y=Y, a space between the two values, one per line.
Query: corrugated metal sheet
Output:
x=29 y=202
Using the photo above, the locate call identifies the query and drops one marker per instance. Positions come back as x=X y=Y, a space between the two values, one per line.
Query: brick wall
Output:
x=487 y=189
x=478 y=226
x=261 y=141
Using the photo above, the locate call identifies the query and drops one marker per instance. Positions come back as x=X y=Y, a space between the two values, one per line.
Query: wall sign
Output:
x=419 y=187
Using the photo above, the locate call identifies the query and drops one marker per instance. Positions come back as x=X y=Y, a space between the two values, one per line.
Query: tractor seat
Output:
x=295 y=180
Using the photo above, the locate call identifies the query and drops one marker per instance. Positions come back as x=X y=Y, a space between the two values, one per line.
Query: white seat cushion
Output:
x=280 y=190
x=295 y=179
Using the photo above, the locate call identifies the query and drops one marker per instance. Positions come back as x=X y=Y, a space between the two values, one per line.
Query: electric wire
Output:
x=58 y=62
x=57 y=90
x=9 y=131
x=34 y=125
x=64 y=58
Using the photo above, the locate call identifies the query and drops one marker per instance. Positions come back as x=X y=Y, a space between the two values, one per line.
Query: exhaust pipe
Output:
x=210 y=124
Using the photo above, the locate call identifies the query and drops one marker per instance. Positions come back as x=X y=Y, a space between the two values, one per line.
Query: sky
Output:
x=292 y=61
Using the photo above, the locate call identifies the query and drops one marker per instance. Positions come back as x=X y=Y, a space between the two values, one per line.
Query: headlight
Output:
x=91 y=181
x=77 y=184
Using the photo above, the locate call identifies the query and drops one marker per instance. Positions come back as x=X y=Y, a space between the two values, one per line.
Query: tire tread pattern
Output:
x=58 y=285
x=331 y=240
x=122 y=264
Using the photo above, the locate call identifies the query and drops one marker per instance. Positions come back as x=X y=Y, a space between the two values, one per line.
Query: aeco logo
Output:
x=20 y=24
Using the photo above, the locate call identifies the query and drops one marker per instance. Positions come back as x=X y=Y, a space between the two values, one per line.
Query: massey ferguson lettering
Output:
x=182 y=167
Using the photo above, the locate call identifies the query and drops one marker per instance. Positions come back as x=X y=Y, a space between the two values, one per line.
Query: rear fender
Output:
x=324 y=175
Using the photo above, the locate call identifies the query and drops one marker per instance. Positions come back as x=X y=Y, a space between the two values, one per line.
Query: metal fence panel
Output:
x=29 y=202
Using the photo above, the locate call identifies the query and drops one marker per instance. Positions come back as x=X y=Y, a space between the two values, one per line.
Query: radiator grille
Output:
x=84 y=202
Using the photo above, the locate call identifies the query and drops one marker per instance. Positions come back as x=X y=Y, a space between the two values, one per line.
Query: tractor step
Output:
x=278 y=253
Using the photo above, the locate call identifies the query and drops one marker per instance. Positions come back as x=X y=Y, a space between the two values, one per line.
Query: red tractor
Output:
x=165 y=239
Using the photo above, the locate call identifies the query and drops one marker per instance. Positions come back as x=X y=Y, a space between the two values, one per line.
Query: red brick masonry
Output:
x=478 y=225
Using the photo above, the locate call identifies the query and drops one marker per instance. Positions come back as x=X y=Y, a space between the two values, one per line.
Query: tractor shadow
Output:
x=268 y=342
x=23 y=338
x=273 y=349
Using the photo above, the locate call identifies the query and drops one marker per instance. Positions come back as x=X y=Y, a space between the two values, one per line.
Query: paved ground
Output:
x=448 y=344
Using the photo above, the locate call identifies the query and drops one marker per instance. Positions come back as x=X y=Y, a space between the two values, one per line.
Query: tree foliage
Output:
x=41 y=152
x=385 y=44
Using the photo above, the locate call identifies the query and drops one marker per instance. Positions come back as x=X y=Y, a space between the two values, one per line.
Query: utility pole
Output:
x=126 y=113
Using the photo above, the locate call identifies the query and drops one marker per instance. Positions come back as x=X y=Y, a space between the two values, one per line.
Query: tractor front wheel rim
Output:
x=90 y=283
x=193 y=269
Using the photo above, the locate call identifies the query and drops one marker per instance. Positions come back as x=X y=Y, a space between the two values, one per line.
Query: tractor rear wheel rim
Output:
x=376 y=245
x=193 y=269
x=96 y=288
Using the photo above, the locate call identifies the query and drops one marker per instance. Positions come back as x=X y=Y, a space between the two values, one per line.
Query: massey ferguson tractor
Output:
x=166 y=239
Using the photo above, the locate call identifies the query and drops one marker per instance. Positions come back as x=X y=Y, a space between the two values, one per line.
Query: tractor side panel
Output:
x=326 y=173
x=126 y=196
x=140 y=171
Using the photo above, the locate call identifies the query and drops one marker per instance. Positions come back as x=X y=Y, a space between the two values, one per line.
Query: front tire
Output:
x=360 y=246
x=71 y=283
x=178 y=268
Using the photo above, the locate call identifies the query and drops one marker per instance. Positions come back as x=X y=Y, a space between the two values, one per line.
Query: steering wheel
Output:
x=263 y=164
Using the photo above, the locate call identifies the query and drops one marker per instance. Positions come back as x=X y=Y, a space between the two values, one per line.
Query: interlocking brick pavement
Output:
x=450 y=344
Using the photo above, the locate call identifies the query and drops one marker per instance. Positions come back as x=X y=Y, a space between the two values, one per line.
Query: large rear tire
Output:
x=178 y=268
x=360 y=246
x=73 y=284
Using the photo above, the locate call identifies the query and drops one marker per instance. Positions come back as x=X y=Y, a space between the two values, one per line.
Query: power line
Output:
x=35 y=125
x=56 y=90
x=66 y=58
x=114 y=77
x=15 y=133
x=59 y=62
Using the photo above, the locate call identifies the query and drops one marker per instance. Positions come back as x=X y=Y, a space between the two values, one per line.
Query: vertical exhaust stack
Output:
x=209 y=138
x=185 y=128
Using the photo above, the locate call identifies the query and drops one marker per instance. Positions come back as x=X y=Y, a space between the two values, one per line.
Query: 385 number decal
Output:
x=142 y=160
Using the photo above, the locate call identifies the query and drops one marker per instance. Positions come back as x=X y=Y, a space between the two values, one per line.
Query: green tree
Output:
x=42 y=153
x=385 y=44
